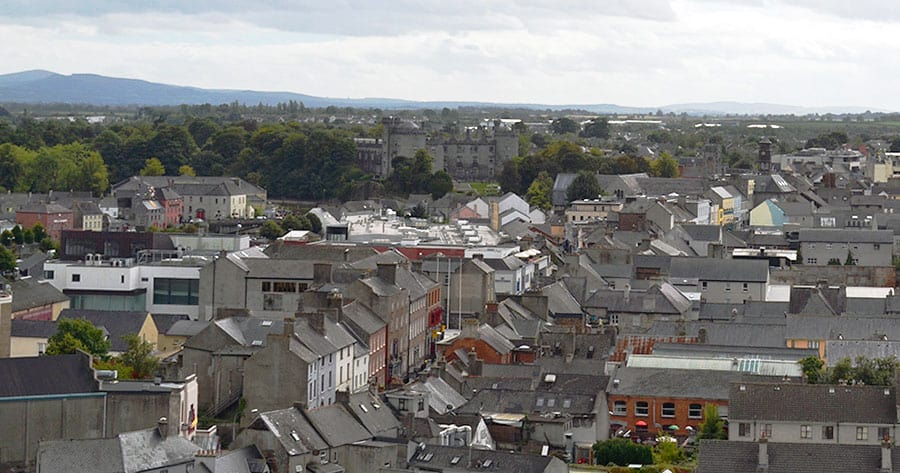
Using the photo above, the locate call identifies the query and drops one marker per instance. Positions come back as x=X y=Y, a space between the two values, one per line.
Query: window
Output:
x=767 y=428
x=668 y=409
x=284 y=287
x=812 y=261
x=884 y=433
x=746 y=287
x=49 y=275
x=173 y=291
x=728 y=287
x=42 y=348
x=827 y=432
x=551 y=402
x=862 y=433
x=695 y=411
x=642 y=409
x=876 y=246
x=421 y=405
x=614 y=319
x=805 y=431
x=744 y=429
x=539 y=402
x=266 y=286
x=704 y=285
x=620 y=408
x=401 y=404
x=76 y=278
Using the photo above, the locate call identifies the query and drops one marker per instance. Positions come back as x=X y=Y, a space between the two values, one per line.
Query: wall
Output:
x=866 y=254
x=835 y=275
x=363 y=457
x=222 y=285
x=5 y=324
x=275 y=377
x=25 y=346
x=655 y=404
x=789 y=432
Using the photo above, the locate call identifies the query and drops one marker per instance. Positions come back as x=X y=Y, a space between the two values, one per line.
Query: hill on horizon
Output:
x=41 y=86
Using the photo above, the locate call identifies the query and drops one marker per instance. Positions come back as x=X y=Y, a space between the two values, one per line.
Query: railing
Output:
x=223 y=404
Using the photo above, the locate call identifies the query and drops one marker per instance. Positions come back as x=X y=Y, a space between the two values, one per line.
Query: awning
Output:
x=640 y=423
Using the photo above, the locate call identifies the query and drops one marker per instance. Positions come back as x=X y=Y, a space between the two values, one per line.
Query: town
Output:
x=656 y=292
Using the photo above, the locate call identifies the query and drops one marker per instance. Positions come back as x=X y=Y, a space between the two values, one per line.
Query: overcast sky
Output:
x=628 y=52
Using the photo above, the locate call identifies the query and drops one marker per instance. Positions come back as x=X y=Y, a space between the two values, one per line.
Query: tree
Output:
x=850 y=260
x=440 y=184
x=7 y=260
x=667 y=452
x=596 y=128
x=315 y=225
x=812 y=369
x=18 y=237
x=153 y=167
x=271 y=230
x=664 y=166
x=712 y=427
x=563 y=125
x=72 y=334
x=48 y=244
x=186 y=170
x=28 y=236
x=540 y=191
x=7 y=238
x=39 y=232
x=584 y=186
x=622 y=452
x=139 y=357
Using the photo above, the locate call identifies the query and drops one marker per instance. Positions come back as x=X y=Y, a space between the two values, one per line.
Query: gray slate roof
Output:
x=828 y=235
x=718 y=456
x=675 y=383
x=29 y=293
x=116 y=323
x=812 y=403
x=336 y=426
x=33 y=328
x=710 y=269
x=440 y=458
x=45 y=375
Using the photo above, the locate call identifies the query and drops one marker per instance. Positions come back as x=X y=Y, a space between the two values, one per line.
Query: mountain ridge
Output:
x=42 y=86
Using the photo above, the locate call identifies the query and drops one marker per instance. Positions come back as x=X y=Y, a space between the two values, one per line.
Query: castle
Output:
x=479 y=156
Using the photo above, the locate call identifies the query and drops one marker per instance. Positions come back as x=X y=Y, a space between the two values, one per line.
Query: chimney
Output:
x=316 y=321
x=764 y=454
x=342 y=397
x=321 y=273
x=478 y=256
x=289 y=327
x=162 y=426
x=416 y=266
x=469 y=328
x=388 y=272
x=300 y=405
x=627 y=295
x=336 y=303
x=491 y=307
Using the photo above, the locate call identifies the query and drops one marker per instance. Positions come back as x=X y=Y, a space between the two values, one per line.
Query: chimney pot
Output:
x=162 y=426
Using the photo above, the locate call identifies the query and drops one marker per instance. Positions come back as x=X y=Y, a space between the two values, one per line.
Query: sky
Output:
x=628 y=52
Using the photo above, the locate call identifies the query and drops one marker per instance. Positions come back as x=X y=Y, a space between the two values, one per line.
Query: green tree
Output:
x=540 y=191
x=664 y=166
x=440 y=184
x=584 y=186
x=563 y=125
x=271 y=230
x=315 y=225
x=153 y=167
x=850 y=260
x=72 y=334
x=596 y=128
x=186 y=170
x=139 y=357
x=48 y=244
x=39 y=232
x=622 y=452
x=7 y=238
x=18 y=237
x=667 y=452
x=712 y=427
x=812 y=368
x=7 y=261
x=28 y=236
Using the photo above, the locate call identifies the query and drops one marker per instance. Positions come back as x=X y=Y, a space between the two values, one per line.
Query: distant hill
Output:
x=39 y=86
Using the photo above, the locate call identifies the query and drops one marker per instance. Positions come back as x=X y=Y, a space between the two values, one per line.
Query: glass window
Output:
x=48 y=274
x=620 y=408
x=805 y=432
x=76 y=278
x=827 y=432
x=767 y=428
x=862 y=433
x=884 y=433
x=743 y=429
x=266 y=286
x=668 y=409
x=284 y=287
x=641 y=408
x=171 y=291
x=695 y=411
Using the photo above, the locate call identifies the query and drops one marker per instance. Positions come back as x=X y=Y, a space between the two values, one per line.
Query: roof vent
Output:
x=887 y=392
x=616 y=382
x=830 y=390
x=550 y=378
x=743 y=387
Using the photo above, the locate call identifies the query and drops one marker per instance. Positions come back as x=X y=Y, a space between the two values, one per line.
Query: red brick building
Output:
x=648 y=401
x=173 y=205
x=484 y=340
x=53 y=217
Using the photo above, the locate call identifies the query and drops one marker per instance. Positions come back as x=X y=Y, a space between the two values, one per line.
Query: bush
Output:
x=622 y=452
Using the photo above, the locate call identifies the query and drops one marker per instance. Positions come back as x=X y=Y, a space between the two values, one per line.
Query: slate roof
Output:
x=116 y=323
x=332 y=253
x=373 y=414
x=526 y=402
x=703 y=232
x=828 y=235
x=675 y=383
x=33 y=328
x=837 y=350
x=717 y=456
x=842 y=328
x=441 y=458
x=493 y=338
x=288 y=424
x=560 y=300
x=144 y=450
x=363 y=318
x=336 y=426
x=794 y=402
x=94 y=455
x=186 y=328
x=710 y=269
x=29 y=293
x=164 y=322
x=736 y=334
x=45 y=375
x=441 y=396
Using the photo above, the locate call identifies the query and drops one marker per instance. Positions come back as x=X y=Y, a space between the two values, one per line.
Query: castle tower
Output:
x=765 y=156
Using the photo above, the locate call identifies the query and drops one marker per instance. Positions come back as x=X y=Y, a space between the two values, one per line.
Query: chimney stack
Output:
x=163 y=427
x=316 y=321
x=322 y=273
x=388 y=272
x=288 y=326
x=886 y=464
x=763 y=454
